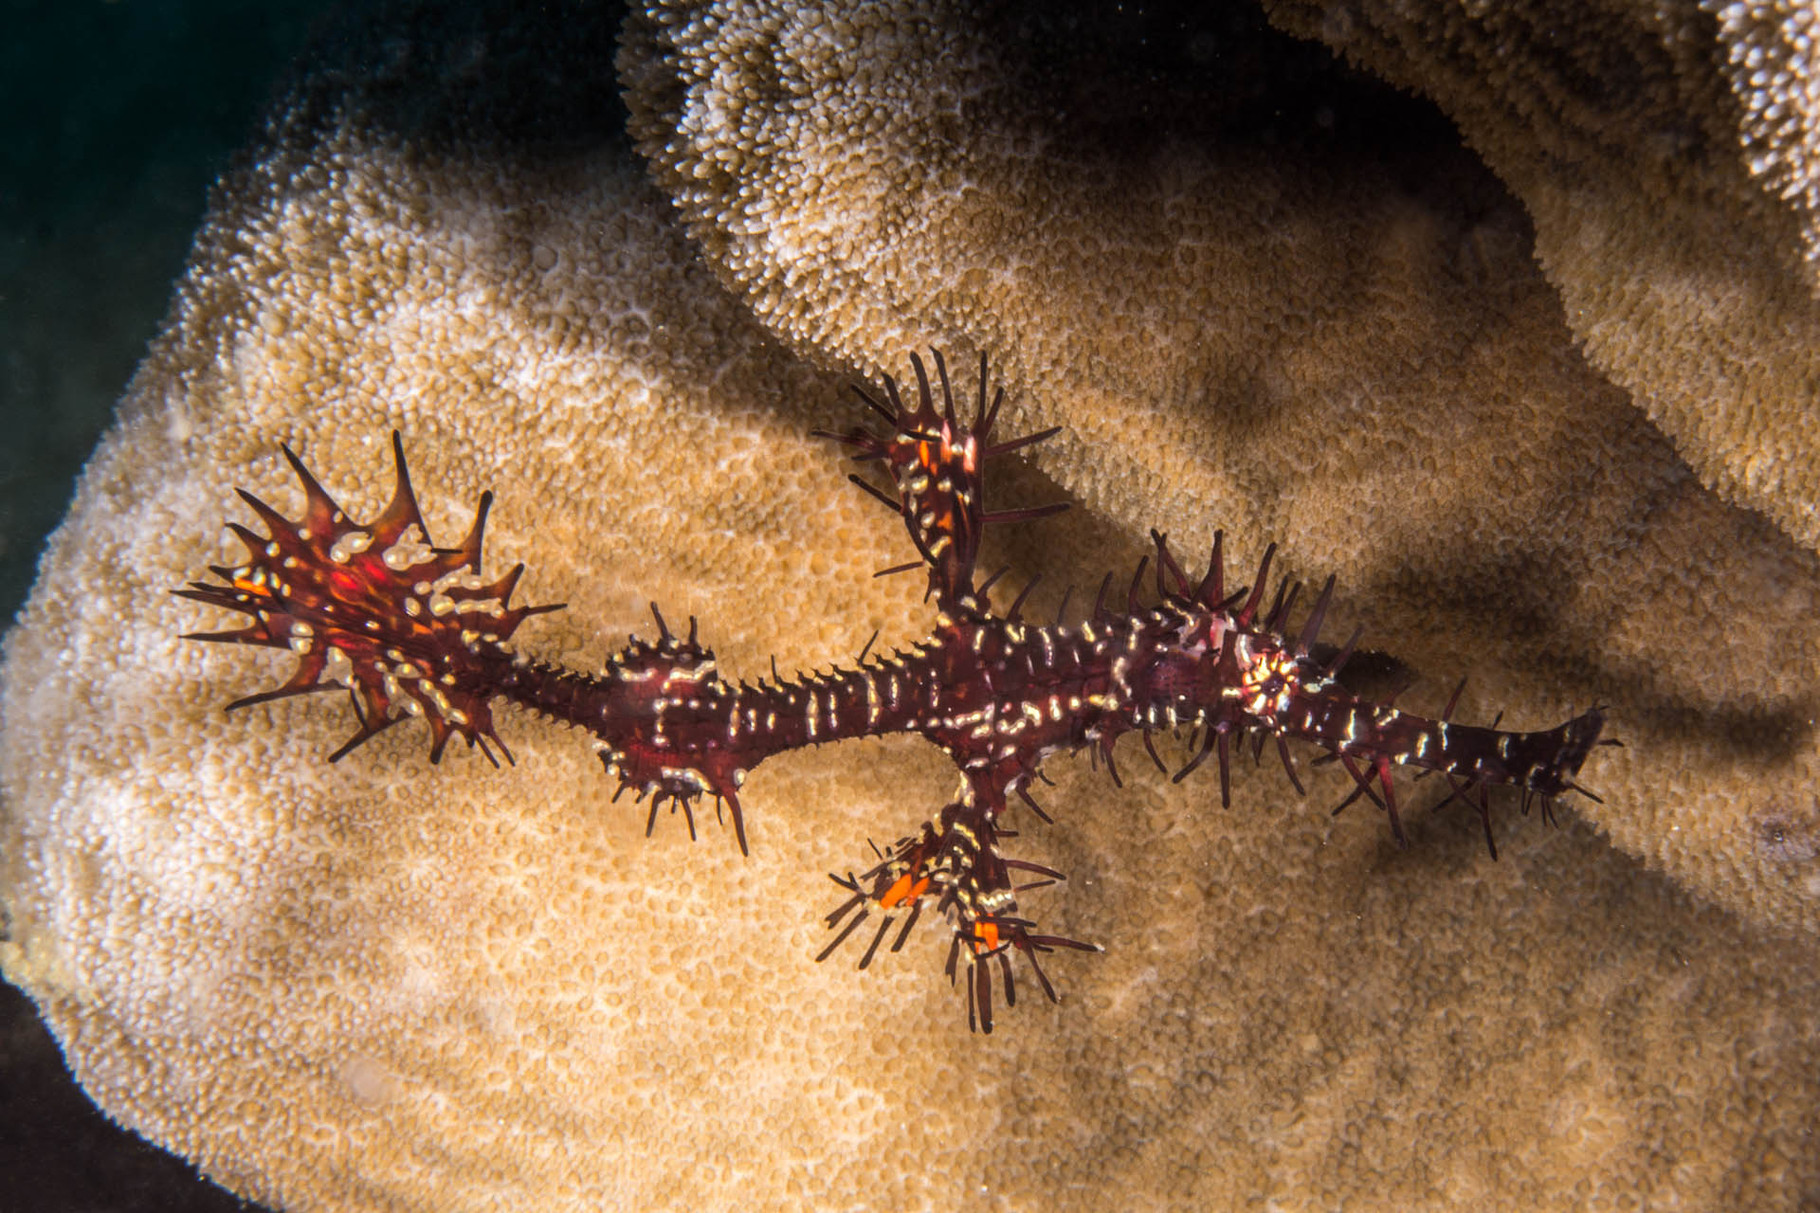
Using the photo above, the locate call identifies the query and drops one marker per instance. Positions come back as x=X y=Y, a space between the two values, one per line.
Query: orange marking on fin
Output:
x=903 y=889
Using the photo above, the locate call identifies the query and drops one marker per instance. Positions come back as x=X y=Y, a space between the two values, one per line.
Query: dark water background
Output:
x=116 y=116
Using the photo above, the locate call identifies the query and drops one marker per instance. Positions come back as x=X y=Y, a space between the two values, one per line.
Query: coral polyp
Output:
x=413 y=630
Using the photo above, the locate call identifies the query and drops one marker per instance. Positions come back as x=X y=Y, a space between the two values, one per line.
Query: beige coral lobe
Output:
x=1666 y=154
x=1263 y=292
x=1347 y=351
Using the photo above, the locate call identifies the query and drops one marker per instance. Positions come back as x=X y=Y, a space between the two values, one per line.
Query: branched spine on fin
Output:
x=408 y=628
x=414 y=630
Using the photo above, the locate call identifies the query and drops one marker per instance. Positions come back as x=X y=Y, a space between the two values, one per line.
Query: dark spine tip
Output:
x=982 y=420
x=889 y=502
x=1453 y=700
x=1249 y=611
x=897 y=401
x=1137 y=579
x=1289 y=765
x=941 y=373
x=925 y=399
x=1212 y=588
x=1166 y=562
x=878 y=937
x=841 y=938
x=1027 y=514
x=1311 y=627
x=1099 y=599
x=1017 y=604
x=874 y=404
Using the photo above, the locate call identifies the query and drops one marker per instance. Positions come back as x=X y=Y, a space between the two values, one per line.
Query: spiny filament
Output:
x=411 y=629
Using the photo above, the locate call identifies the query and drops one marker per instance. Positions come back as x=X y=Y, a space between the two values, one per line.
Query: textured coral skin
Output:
x=1669 y=166
x=1342 y=346
x=352 y=987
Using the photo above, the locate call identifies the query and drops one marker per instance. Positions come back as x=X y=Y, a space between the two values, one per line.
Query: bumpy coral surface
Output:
x=1346 y=349
x=381 y=985
x=1665 y=152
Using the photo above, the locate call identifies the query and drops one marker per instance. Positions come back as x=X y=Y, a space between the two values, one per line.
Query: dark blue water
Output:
x=115 y=119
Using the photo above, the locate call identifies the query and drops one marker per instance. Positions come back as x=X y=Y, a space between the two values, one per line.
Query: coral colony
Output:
x=414 y=630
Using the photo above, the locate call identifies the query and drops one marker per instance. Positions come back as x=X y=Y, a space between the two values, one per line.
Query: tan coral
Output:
x=381 y=985
x=236 y=958
x=1770 y=61
x=1290 y=342
x=1666 y=154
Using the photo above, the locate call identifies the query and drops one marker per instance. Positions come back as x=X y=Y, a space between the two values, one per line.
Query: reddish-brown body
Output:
x=414 y=631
